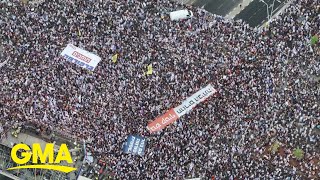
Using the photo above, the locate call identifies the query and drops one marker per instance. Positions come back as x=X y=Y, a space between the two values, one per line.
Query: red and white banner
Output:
x=173 y=114
x=162 y=121
x=81 y=57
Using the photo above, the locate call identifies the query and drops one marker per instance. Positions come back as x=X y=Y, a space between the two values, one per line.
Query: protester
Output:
x=266 y=82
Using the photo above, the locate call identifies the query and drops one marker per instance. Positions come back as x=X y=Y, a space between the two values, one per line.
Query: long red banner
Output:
x=163 y=121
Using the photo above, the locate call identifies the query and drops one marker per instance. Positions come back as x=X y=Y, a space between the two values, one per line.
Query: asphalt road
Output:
x=220 y=7
x=2 y=177
x=254 y=14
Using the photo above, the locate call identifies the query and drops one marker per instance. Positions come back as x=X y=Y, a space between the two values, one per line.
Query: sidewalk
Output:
x=222 y=6
x=278 y=11
x=238 y=9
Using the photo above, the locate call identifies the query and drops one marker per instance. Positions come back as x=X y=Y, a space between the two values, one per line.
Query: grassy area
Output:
x=298 y=153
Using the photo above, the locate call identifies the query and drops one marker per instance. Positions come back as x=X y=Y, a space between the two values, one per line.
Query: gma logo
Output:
x=46 y=157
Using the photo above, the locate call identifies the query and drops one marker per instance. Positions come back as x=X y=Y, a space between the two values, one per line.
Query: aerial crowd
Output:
x=267 y=82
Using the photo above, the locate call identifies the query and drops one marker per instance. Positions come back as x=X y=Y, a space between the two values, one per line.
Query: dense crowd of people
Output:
x=267 y=82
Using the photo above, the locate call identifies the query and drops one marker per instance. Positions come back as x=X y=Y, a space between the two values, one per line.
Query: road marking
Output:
x=236 y=10
x=202 y=7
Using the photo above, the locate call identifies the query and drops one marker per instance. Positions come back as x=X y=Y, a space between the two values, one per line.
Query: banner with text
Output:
x=135 y=145
x=194 y=100
x=81 y=57
x=162 y=121
x=173 y=114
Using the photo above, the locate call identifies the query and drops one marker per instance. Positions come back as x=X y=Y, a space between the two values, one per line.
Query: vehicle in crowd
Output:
x=180 y=15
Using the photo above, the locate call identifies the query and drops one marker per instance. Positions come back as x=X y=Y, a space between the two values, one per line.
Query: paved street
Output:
x=220 y=7
x=254 y=12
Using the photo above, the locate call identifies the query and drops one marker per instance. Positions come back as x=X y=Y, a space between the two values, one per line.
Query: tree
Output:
x=298 y=153
x=274 y=147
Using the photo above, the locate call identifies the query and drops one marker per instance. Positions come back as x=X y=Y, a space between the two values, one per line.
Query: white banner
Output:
x=81 y=57
x=193 y=100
